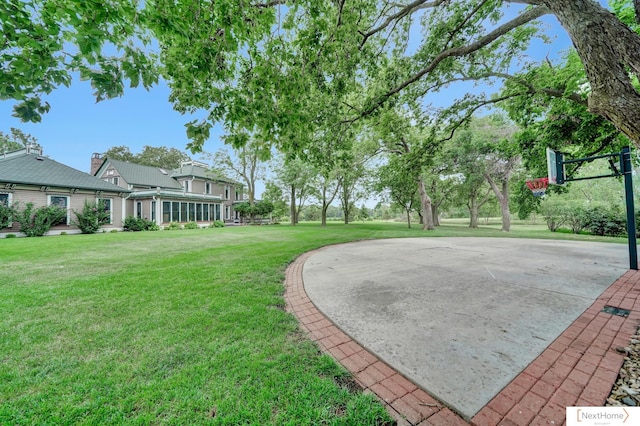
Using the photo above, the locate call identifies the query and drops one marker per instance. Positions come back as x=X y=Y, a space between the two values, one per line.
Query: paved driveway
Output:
x=461 y=317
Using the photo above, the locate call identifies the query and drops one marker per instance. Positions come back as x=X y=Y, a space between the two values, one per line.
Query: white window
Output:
x=207 y=188
x=108 y=207
x=226 y=193
x=110 y=172
x=227 y=212
x=61 y=201
x=186 y=185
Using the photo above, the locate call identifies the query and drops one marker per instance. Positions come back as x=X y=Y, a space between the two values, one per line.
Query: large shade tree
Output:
x=252 y=64
x=166 y=158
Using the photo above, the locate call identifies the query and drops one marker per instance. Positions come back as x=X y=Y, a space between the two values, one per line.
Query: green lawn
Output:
x=178 y=327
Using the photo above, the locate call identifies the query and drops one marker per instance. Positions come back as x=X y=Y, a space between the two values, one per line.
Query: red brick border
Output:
x=578 y=368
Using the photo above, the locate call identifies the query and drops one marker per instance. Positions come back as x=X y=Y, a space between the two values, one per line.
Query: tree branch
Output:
x=522 y=19
x=494 y=187
x=575 y=97
x=271 y=3
x=456 y=124
x=407 y=10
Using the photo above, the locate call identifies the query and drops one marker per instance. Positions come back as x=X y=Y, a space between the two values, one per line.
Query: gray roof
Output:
x=175 y=195
x=197 y=171
x=34 y=169
x=137 y=175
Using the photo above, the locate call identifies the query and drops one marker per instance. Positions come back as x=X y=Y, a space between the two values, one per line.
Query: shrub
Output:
x=217 y=224
x=191 y=225
x=132 y=223
x=576 y=218
x=605 y=222
x=113 y=231
x=554 y=216
x=37 y=222
x=6 y=215
x=10 y=236
x=173 y=226
x=92 y=217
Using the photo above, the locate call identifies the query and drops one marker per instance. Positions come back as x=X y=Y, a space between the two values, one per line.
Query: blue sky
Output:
x=77 y=126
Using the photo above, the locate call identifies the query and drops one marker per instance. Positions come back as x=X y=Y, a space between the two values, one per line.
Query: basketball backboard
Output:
x=555 y=167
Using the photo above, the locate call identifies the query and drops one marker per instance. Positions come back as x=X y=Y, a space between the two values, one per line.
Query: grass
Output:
x=175 y=327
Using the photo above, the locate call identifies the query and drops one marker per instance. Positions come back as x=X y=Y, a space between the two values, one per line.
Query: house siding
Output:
x=157 y=185
x=25 y=194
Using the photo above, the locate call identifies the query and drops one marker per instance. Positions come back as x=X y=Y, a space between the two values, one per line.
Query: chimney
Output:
x=96 y=162
x=33 y=148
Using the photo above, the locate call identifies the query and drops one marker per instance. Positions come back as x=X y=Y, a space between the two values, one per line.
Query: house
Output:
x=27 y=176
x=190 y=193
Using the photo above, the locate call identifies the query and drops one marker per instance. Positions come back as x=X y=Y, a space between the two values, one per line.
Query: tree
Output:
x=120 y=153
x=45 y=44
x=401 y=133
x=466 y=160
x=607 y=65
x=558 y=123
x=273 y=194
x=16 y=140
x=328 y=184
x=163 y=157
x=353 y=173
x=502 y=160
x=272 y=67
x=401 y=185
x=246 y=165
x=484 y=152
x=298 y=179
x=441 y=186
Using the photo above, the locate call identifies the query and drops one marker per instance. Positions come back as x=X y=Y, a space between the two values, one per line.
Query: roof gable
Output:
x=138 y=175
x=34 y=169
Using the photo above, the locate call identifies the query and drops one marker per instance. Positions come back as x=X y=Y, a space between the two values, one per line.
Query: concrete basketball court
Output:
x=460 y=317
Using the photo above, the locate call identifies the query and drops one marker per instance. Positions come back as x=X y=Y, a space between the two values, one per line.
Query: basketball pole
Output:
x=625 y=166
x=557 y=163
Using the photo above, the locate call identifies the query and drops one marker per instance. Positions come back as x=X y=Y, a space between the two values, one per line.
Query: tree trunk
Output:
x=504 y=207
x=503 y=197
x=323 y=219
x=346 y=211
x=408 y=218
x=293 y=210
x=425 y=203
x=474 y=212
x=608 y=50
x=434 y=211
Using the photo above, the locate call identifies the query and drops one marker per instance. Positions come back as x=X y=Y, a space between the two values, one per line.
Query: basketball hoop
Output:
x=538 y=186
